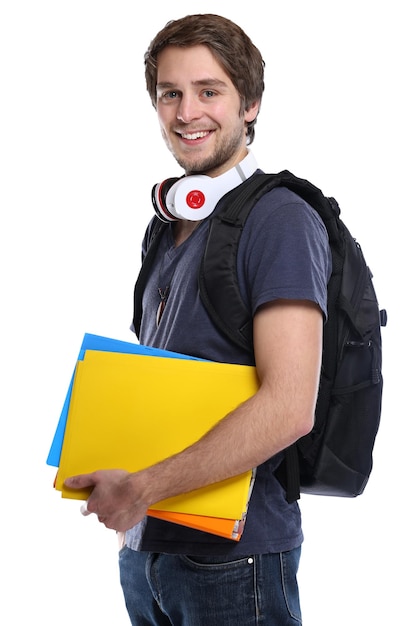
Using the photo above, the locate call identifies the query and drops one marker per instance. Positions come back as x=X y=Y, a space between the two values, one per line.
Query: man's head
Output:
x=229 y=44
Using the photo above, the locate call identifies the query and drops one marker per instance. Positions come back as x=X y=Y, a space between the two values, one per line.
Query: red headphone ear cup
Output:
x=159 y=194
x=193 y=197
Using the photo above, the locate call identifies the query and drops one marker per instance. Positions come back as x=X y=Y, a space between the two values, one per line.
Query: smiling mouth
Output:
x=194 y=136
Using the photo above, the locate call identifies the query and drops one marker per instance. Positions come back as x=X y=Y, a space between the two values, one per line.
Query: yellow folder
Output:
x=130 y=411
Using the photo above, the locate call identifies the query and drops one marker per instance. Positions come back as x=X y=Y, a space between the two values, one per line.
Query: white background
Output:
x=80 y=149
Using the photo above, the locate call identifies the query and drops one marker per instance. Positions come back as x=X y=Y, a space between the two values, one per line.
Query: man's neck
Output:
x=183 y=229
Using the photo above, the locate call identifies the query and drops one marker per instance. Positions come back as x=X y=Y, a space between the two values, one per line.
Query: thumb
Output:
x=81 y=481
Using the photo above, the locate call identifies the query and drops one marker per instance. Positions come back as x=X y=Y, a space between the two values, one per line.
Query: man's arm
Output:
x=288 y=346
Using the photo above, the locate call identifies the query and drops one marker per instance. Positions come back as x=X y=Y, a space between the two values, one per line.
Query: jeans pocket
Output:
x=217 y=561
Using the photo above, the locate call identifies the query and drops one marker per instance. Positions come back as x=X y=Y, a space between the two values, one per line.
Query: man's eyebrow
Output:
x=204 y=82
x=210 y=82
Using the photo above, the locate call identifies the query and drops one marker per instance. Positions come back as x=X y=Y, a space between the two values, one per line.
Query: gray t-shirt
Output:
x=283 y=253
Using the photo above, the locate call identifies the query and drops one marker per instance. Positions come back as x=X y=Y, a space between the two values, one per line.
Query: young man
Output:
x=205 y=80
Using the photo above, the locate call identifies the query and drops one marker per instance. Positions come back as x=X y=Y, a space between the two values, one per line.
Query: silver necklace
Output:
x=163 y=292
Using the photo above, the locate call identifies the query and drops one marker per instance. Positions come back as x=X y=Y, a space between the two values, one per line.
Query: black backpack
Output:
x=335 y=458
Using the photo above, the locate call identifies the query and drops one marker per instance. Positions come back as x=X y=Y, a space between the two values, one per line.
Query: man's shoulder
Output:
x=282 y=205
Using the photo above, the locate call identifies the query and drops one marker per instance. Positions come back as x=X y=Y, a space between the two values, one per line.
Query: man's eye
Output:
x=168 y=95
x=209 y=93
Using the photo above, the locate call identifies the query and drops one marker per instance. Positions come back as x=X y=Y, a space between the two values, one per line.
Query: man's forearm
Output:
x=241 y=441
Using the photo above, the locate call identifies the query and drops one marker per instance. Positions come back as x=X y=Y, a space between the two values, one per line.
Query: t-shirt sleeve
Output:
x=284 y=252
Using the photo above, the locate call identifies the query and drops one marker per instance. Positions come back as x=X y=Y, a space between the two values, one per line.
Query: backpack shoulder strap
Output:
x=218 y=266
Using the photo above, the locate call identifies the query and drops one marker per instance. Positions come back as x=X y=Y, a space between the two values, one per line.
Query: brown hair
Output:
x=233 y=49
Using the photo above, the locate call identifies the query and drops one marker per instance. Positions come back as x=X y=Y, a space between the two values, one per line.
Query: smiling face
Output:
x=199 y=111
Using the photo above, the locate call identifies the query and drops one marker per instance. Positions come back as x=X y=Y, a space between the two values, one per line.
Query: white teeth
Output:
x=194 y=135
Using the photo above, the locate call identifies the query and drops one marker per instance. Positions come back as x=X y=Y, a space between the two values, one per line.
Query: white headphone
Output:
x=195 y=197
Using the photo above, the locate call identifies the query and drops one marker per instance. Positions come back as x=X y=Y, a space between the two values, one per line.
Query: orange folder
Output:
x=229 y=528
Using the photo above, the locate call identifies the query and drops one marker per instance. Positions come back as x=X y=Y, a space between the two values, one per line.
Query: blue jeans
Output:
x=180 y=590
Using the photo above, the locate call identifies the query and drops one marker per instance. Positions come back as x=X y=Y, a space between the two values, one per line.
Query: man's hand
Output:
x=112 y=499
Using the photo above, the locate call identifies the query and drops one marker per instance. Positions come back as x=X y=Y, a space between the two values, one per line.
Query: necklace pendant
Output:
x=163 y=294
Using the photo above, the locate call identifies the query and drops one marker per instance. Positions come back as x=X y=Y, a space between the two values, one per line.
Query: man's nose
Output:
x=189 y=108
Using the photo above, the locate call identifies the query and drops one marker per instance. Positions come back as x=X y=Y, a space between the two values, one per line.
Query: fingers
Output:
x=84 y=511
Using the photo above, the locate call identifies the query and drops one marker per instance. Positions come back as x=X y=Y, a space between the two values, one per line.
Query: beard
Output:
x=193 y=163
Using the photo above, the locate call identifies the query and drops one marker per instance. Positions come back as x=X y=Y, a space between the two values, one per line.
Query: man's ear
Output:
x=252 y=111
